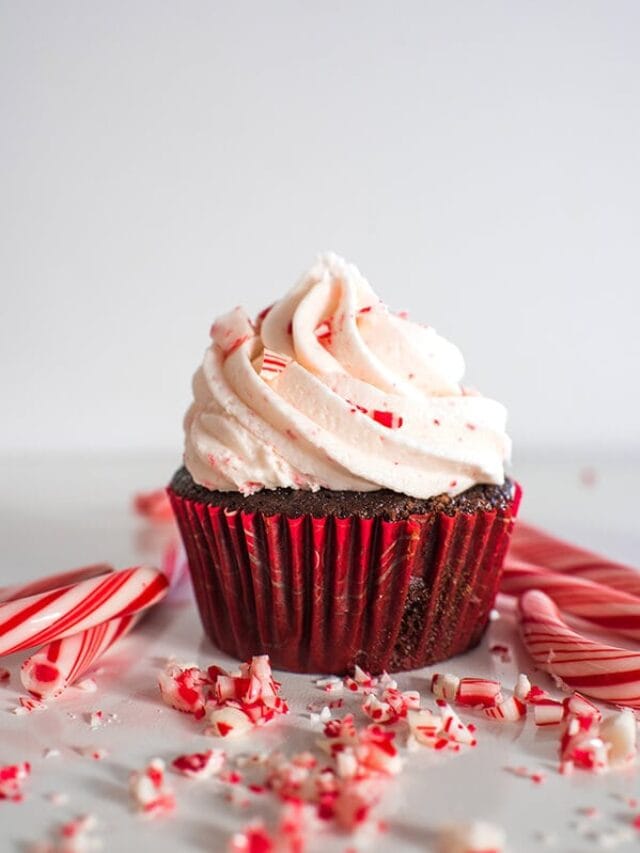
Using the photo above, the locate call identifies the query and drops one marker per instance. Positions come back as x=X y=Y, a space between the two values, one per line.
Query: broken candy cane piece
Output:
x=253 y=839
x=273 y=363
x=581 y=746
x=12 y=779
x=620 y=732
x=548 y=712
x=424 y=725
x=401 y=701
x=200 y=765
x=381 y=712
x=149 y=790
x=377 y=751
x=48 y=672
x=182 y=687
x=477 y=837
x=522 y=688
x=478 y=693
x=509 y=711
x=360 y=681
x=601 y=671
x=227 y=721
x=445 y=686
x=77 y=829
x=452 y=726
x=581 y=707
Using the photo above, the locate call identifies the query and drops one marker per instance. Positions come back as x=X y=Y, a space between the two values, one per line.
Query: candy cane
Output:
x=58 y=613
x=54 y=582
x=603 y=672
x=603 y=606
x=60 y=663
x=530 y=545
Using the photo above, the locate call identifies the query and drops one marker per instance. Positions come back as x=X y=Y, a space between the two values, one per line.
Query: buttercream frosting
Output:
x=330 y=389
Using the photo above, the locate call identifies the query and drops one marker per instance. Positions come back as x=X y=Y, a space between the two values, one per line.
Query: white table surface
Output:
x=59 y=512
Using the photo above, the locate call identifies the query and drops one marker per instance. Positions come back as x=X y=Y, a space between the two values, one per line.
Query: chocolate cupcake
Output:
x=343 y=498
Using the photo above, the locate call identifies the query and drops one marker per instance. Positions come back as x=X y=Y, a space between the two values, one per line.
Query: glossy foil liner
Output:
x=320 y=594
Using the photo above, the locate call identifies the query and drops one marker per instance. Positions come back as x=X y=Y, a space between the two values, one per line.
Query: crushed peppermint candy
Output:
x=97 y=753
x=150 y=793
x=95 y=719
x=5 y=675
x=74 y=836
x=12 y=779
x=200 y=765
x=233 y=703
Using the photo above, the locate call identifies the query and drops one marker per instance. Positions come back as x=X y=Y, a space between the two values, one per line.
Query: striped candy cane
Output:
x=61 y=612
x=603 y=672
x=57 y=581
x=604 y=606
x=62 y=662
x=530 y=545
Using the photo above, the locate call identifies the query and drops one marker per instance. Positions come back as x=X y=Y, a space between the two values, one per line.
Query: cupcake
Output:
x=343 y=498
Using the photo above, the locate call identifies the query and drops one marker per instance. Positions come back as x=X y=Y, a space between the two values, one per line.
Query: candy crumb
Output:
x=150 y=793
x=476 y=837
x=97 y=753
x=51 y=753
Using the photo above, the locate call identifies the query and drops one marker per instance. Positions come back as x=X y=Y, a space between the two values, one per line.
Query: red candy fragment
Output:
x=12 y=779
x=273 y=363
x=509 y=711
x=199 y=765
x=154 y=505
x=149 y=791
x=254 y=839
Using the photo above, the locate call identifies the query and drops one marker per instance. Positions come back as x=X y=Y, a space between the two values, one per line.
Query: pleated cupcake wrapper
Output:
x=320 y=594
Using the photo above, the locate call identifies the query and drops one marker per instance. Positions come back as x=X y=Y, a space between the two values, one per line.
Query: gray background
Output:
x=161 y=162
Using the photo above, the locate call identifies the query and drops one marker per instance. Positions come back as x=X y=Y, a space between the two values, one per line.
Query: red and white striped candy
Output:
x=548 y=712
x=445 y=686
x=478 y=692
x=57 y=613
x=57 y=581
x=509 y=711
x=603 y=672
x=273 y=363
x=62 y=662
x=530 y=545
x=603 y=606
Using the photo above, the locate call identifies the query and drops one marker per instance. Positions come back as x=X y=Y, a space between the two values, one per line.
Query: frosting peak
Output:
x=330 y=389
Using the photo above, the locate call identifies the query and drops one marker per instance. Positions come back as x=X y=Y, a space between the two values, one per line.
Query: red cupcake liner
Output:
x=320 y=594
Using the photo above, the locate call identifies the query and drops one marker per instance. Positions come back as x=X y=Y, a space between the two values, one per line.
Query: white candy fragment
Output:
x=619 y=732
x=476 y=837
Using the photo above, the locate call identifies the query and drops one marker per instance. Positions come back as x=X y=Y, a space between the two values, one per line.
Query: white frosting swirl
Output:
x=329 y=389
